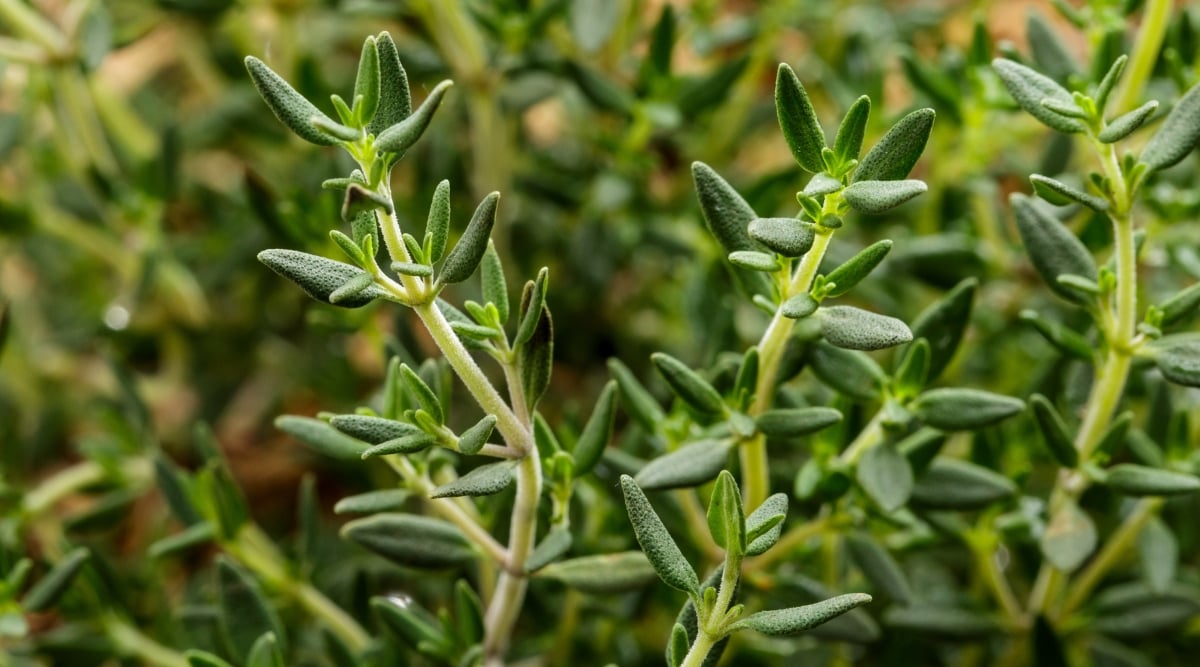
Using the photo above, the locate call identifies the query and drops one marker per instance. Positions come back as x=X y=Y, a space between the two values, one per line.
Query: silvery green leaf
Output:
x=335 y=129
x=753 y=260
x=482 y=481
x=1048 y=51
x=1178 y=135
x=413 y=269
x=289 y=106
x=789 y=622
x=789 y=237
x=852 y=271
x=726 y=517
x=879 y=196
x=371 y=502
x=535 y=360
x=796 y=422
x=468 y=252
x=848 y=143
x=473 y=439
x=798 y=120
x=912 y=372
x=411 y=540
x=407 y=444
x=1158 y=553
x=592 y=22
x=193 y=536
x=400 y=137
x=1178 y=360
x=690 y=465
x=317 y=276
x=822 y=184
x=639 y=404
x=1109 y=82
x=1061 y=194
x=952 y=484
x=799 y=306
x=552 y=547
x=1124 y=125
x=949 y=622
x=533 y=300
x=1052 y=248
x=1054 y=432
x=245 y=612
x=424 y=395
x=1066 y=340
x=600 y=90
x=1136 y=480
x=1133 y=611
x=688 y=385
x=198 y=658
x=764 y=526
x=352 y=289
x=364 y=225
x=727 y=216
x=1070 y=537
x=415 y=626
x=373 y=430
x=608 y=573
x=679 y=645
x=960 y=409
x=366 y=82
x=848 y=371
x=437 y=226
x=898 y=151
x=852 y=328
x=265 y=652
x=1181 y=305
x=495 y=288
x=321 y=437
x=47 y=590
x=939 y=85
x=658 y=545
x=597 y=432
x=879 y=567
x=884 y=474
x=1029 y=88
x=395 y=99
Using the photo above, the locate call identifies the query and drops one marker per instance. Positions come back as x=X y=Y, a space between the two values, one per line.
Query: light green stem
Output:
x=1114 y=548
x=786 y=544
x=871 y=435
x=509 y=596
x=137 y=472
x=32 y=26
x=1155 y=19
x=699 y=650
x=130 y=641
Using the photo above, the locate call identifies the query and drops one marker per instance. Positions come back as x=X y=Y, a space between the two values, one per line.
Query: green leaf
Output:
x=468 y=252
x=1066 y=340
x=289 y=106
x=400 y=137
x=415 y=627
x=796 y=422
x=690 y=465
x=334 y=129
x=597 y=432
x=535 y=360
x=764 y=526
x=408 y=444
x=1054 y=432
x=1048 y=50
x=638 y=402
x=373 y=430
x=319 y=277
x=321 y=437
x=193 y=536
x=959 y=409
x=850 y=372
x=1116 y=435
x=1136 y=480
x=799 y=306
x=482 y=481
x=798 y=120
x=46 y=592
x=726 y=518
x=898 y=151
x=552 y=547
x=660 y=549
x=662 y=41
x=912 y=371
x=533 y=301
x=727 y=217
x=1061 y=194
x=688 y=385
x=789 y=622
x=265 y=652
x=245 y=613
x=437 y=226
x=1124 y=125
x=885 y=475
x=852 y=271
x=879 y=567
x=349 y=246
x=371 y=502
x=753 y=260
x=495 y=289
x=410 y=540
x=1181 y=305
x=352 y=288
x=601 y=91
x=1029 y=88
x=425 y=396
x=848 y=142
x=822 y=184
x=395 y=99
x=592 y=22
x=939 y=85
x=1109 y=82
x=607 y=573
x=1178 y=361
x=679 y=645
x=366 y=83
x=1052 y=248
x=198 y=658
x=851 y=328
x=1178 y=135
x=879 y=196
x=473 y=439
x=789 y=237
x=1070 y=537
x=468 y=614
x=949 y=622
x=952 y=484
x=1158 y=553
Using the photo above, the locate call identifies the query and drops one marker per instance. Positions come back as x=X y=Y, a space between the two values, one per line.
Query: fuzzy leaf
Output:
x=762 y=528
x=848 y=143
x=727 y=217
x=1137 y=480
x=265 y=652
x=321 y=437
x=245 y=612
x=799 y=306
x=638 y=402
x=944 y=323
x=848 y=371
x=437 y=226
x=1158 y=553
x=552 y=547
x=852 y=271
x=408 y=444
x=400 y=137
x=1178 y=135
x=410 y=540
x=1054 y=432
x=366 y=83
x=395 y=99
x=371 y=502
x=1124 y=125
x=952 y=484
x=898 y=151
x=959 y=409
x=885 y=475
x=597 y=432
x=1048 y=50
x=473 y=439
x=658 y=545
x=533 y=298
x=1061 y=194
x=468 y=252
x=1029 y=88
x=495 y=288
x=482 y=481
x=1178 y=361
x=851 y=328
x=798 y=120
x=690 y=465
x=535 y=360
x=319 y=277
x=796 y=422
x=789 y=622
x=1181 y=305
x=289 y=106
x=373 y=430
x=753 y=260
x=726 y=518
x=608 y=573
x=880 y=196
x=688 y=385
x=1069 y=538
x=1052 y=248
x=46 y=592
x=879 y=567
x=789 y=237
x=198 y=658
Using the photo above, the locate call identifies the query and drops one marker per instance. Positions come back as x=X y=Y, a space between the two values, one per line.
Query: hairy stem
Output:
x=509 y=596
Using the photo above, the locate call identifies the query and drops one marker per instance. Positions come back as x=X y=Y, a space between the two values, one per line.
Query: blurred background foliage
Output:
x=140 y=175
